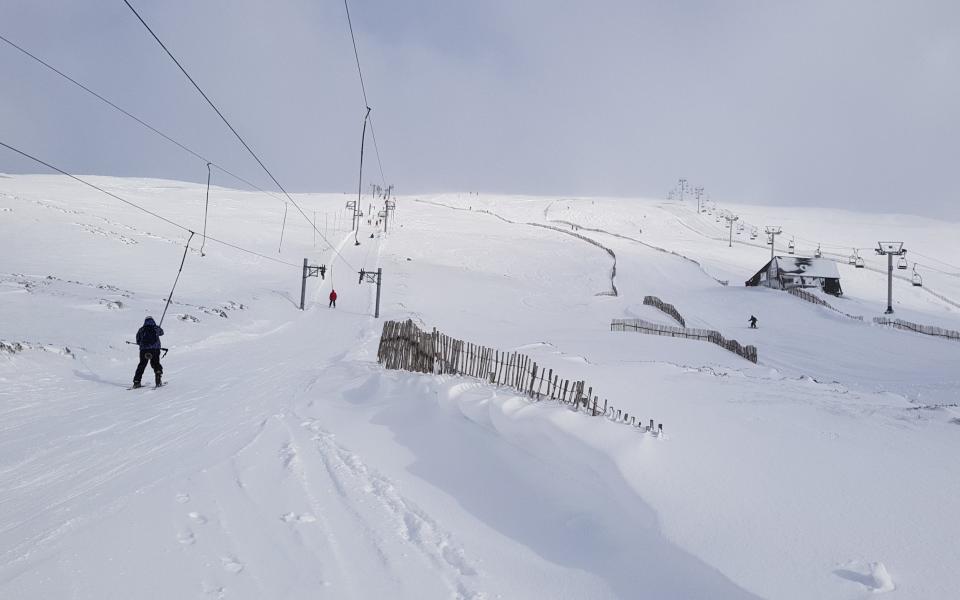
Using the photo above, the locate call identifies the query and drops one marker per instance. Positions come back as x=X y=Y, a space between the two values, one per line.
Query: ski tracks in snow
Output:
x=356 y=485
x=298 y=504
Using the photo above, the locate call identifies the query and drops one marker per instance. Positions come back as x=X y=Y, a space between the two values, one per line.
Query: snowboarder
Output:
x=148 y=339
x=333 y=299
x=753 y=322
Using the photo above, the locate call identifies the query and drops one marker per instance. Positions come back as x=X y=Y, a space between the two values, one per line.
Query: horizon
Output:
x=850 y=107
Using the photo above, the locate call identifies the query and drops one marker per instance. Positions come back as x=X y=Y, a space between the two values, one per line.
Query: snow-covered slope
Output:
x=283 y=462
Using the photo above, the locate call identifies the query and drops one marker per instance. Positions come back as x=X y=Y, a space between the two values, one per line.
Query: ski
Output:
x=148 y=387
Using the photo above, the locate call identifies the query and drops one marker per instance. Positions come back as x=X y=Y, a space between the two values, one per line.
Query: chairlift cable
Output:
x=913 y=253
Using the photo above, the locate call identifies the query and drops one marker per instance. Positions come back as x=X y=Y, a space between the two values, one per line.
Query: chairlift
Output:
x=818 y=253
x=769 y=240
x=853 y=259
x=916 y=279
x=859 y=263
x=902 y=263
x=791 y=247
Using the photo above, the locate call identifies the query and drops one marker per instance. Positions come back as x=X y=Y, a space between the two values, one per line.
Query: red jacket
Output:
x=333 y=294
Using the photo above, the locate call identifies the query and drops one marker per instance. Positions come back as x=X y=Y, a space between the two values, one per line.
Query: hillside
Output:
x=282 y=461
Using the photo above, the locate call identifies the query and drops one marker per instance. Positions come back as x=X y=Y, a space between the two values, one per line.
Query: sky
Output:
x=850 y=104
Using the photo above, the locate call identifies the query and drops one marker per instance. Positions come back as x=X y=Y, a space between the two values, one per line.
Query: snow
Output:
x=282 y=462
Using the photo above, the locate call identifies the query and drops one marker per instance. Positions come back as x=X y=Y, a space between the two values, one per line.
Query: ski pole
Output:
x=165 y=350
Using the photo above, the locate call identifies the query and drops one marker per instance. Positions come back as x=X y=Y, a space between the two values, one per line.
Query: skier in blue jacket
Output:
x=148 y=338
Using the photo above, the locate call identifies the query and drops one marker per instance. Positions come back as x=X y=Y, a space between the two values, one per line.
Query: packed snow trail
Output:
x=283 y=462
x=250 y=494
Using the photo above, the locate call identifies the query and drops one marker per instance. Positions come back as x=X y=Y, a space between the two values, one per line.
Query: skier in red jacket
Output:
x=333 y=299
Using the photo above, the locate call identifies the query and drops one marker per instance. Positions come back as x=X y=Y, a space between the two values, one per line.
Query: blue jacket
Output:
x=149 y=322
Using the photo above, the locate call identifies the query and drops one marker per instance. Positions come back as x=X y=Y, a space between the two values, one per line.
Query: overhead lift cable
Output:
x=127 y=113
x=233 y=130
x=376 y=150
x=140 y=208
x=363 y=89
x=206 y=209
x=360 y=179
x=186 y=248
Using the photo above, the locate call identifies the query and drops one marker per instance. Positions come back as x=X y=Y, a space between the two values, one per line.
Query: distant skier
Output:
x=148 y=338
x=753 y=322
x=333 y=299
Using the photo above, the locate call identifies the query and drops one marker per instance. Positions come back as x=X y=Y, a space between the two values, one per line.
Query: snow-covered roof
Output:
x=807 y=267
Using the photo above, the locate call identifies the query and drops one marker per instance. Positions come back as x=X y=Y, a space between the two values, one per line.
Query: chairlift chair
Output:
x=916 y=279
x=902 y=263
x=791 y=247
x=859 y=263
x=853 y=259
x=818 y=253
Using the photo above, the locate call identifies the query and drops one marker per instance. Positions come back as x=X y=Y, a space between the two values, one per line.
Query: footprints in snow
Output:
x=295 y=518
x=106 y=233
x=231 y=564
x=413 y=525
x=186 y=537
x=289 y=458
x=876 y=579
x=400 y=530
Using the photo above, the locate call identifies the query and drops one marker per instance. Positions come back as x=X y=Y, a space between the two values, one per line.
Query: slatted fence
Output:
x=950 y=334
x=814 y=299
x=707 y=335
x=665 y=307
x=405 y=346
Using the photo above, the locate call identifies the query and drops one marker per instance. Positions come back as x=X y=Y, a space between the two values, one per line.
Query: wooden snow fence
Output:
x=405 y=346
x=805 y=295
x=950 y=334
x=666 y=308
x=708 y=335
x=814 y=299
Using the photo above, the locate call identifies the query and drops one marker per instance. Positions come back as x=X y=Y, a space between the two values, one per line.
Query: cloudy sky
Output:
x=817 y=102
